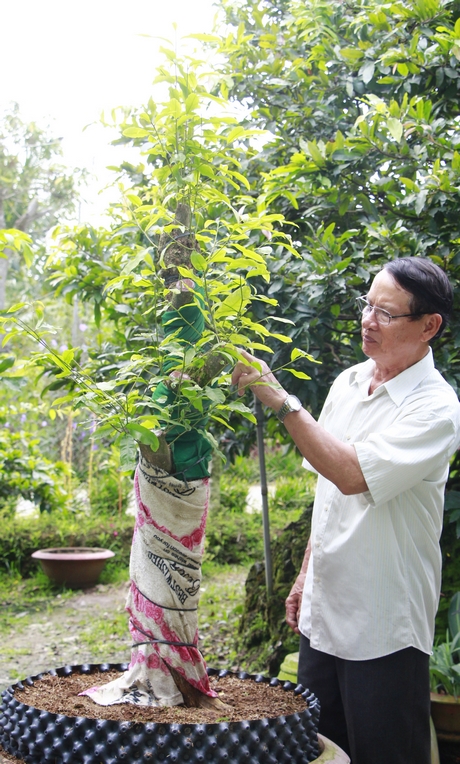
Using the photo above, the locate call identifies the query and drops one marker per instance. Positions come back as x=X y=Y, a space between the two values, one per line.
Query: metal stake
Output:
x=264 y=491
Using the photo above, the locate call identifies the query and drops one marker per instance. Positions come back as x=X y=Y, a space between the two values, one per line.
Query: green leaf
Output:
x=133 y=262
x=206 y=37
x=454 y=615
x=208 y=171
x=97 y=314
x=242 y=179
x=315 y=153
x=241 y=408
x=134 y=199
x=420 y=202
x=395 y=128
x=7 y=337
x=135 y=132
x=215 y=394
x=366 y=72
x=192 y=102
x=299 y=374
x=281 y=337
x=28 y=254
x=198 y=261
x=128 y=453
x=16 y=307
x=289 y=195
x=234 y=303
x=6 y=362
x=409 y=184
x=142 y=435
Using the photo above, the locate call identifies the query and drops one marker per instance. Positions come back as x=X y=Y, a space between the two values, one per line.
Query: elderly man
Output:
x=365 y=600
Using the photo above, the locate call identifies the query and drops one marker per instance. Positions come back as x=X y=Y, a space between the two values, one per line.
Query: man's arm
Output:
x=294 y=599
x=336 y=461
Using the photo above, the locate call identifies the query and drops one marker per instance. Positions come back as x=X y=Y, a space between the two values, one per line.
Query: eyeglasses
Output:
x=381 y=315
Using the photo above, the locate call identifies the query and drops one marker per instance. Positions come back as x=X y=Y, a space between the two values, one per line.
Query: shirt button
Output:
x=316 y=580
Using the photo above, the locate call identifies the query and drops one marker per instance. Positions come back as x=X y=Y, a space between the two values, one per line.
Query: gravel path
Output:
x=50 y=638
x=92 y=627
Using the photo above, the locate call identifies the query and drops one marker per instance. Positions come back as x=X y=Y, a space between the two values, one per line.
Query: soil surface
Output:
x=245 y=698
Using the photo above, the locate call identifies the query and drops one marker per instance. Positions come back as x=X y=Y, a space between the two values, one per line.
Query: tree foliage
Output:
x=35 y=188
x=340 y=153
x=361 y=102
x=193 y=155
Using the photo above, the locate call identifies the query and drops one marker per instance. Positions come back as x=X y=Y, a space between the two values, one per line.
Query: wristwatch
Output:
x=291 y=403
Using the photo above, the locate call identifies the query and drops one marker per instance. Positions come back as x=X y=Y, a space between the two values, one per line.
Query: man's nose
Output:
x=368 y=317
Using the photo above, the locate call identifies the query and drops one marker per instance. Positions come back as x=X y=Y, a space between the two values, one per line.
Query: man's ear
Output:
x=432 y=325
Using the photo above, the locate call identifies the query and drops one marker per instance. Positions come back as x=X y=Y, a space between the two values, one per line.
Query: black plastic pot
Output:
x=39 y=736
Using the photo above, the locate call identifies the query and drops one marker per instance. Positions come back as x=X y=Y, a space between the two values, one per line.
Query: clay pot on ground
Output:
x=75 y=567
x=445 y=712
x=37 y=735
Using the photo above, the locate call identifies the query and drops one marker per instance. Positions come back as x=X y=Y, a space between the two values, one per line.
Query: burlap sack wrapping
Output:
x=165 y=572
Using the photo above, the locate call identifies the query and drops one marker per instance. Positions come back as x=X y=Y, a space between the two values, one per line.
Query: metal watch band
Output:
x=291 y=403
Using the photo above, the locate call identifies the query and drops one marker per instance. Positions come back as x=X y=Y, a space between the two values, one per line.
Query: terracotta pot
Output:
x=77 y=567
x=445 y=712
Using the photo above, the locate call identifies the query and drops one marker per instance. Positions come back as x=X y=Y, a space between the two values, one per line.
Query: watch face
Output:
x=293 y=403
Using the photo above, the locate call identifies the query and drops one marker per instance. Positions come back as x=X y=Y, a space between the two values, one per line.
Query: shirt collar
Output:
x=400 y=386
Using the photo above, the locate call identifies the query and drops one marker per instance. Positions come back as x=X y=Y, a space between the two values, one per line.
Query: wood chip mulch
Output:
x=247 y=700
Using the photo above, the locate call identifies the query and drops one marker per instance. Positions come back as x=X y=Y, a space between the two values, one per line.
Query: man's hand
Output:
x=294 y=599
x=293 y=603
x=256 y=376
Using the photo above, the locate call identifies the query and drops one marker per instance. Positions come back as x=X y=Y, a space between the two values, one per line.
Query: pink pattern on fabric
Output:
x=152 y=661
x=186 y=654
x=156 y=613
x=191 y=540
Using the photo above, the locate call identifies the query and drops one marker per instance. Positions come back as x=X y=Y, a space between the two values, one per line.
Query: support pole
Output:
x=264 y=491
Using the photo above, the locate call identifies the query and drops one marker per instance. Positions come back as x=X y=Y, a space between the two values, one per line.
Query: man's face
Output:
x=400 y=344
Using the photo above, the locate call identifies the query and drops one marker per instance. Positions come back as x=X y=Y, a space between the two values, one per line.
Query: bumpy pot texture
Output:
x=36 y=736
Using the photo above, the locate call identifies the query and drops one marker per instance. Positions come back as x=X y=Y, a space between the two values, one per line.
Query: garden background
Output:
x=321 y=140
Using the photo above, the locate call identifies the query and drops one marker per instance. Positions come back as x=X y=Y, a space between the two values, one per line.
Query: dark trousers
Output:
x=378 y=711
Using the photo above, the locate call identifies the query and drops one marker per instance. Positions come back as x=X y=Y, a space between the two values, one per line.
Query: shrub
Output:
x=25 y=472
x=235 y=536
x=21 y=537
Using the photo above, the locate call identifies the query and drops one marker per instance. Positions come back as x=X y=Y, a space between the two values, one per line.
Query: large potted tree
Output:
x=179 y=273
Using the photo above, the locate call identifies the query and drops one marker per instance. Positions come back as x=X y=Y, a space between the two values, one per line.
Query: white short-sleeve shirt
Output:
x=373 y=580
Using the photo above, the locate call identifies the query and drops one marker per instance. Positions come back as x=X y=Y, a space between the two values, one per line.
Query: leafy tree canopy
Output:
x=191 y=186
x=36 y=191
x=361 y=103
x=344 y=136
